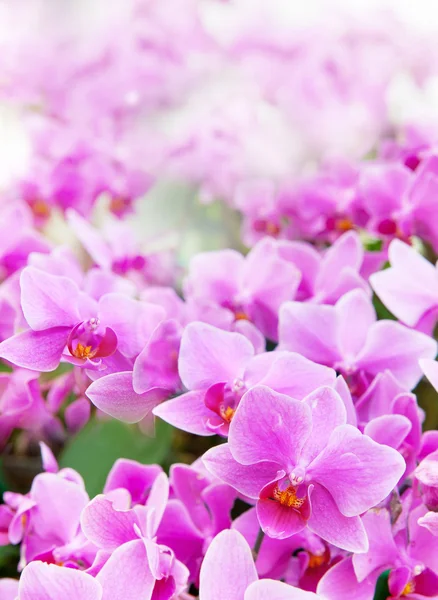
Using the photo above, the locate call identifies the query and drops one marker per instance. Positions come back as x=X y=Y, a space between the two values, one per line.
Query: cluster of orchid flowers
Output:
x=299 y=359
x=320 y=478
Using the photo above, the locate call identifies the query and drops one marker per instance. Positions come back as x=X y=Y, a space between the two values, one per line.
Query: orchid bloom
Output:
x=409 y=287
x=253 y=288
x=348 y=337
x=136 y=562
x=304 y=466
x=218 y=367
x=327 y=276
x=67 y=324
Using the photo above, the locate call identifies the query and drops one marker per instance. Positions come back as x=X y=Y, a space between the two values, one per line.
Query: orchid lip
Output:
x=84 y=343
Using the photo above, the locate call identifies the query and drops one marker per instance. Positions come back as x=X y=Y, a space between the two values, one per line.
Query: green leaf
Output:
x=382 y=589
x=93 y=451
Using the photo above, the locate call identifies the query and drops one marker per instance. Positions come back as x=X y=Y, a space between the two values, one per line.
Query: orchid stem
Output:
x=258 y=543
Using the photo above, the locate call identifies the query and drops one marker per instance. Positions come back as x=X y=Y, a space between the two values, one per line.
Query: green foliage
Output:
x=382 y=589
x=9 y=557
x=93 y=451
x=381 y=310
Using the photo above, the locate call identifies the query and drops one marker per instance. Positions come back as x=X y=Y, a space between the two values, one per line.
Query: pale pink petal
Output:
x=430 y=522
x=48 y=300
x=91 y=239
x=132 y=320
x=8 y=589
x=41 y=581
x=409 y=289
x=355 y=314
x=248 y=480
x=126 y=574
x=383 y=552
x=278 y=367
x=269 y=589
x=115 y=395
x=344 y=391
x=209 y=355
x=214 y=275
x=430 y=369
x=340 y=582
x=50 y=464
x=36 y=350
x=328 y=411
x=228 y=568
x=358 y=472
x=392 y=346
x=347 y=533
x=310 y=330
x=269 y=426
x=187 y=412
x=156 y=502
x=106 y=526
x=389 y=429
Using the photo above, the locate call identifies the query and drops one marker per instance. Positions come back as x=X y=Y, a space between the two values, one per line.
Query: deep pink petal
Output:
x=277 y=521
x=269 y=426
x=132 y=476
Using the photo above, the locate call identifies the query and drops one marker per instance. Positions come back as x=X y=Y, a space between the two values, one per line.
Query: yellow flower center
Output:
x=288 y=497
x=82 y=351
x=316 y=560
x=227 y=413
x=408 y=589
x=344 y=224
